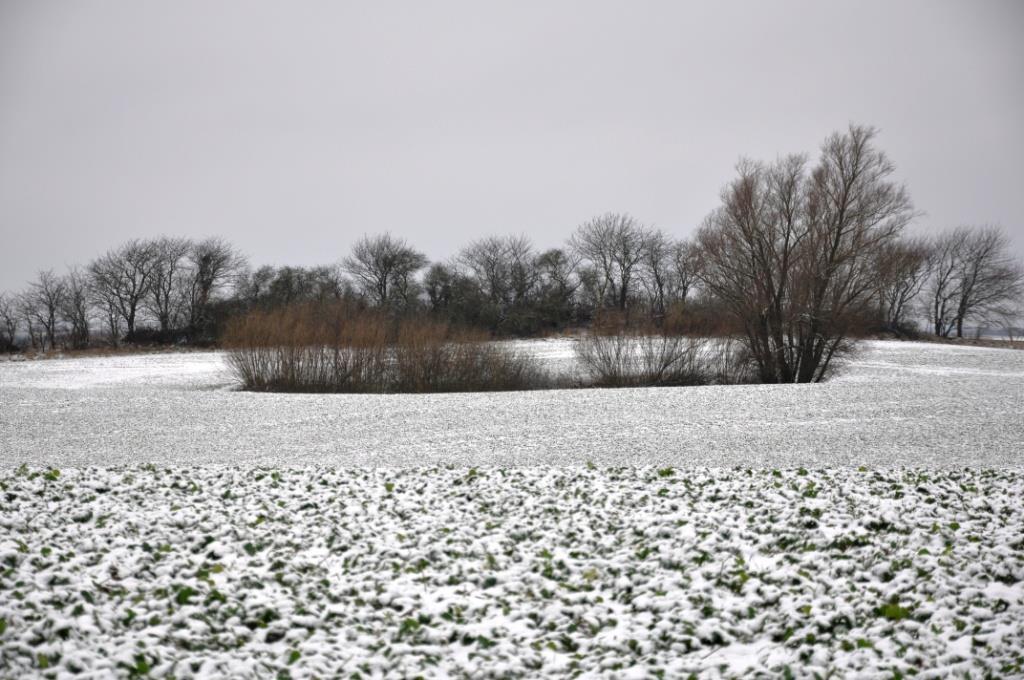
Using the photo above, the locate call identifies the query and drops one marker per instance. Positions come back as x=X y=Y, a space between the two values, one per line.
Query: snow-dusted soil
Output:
x=895 y=404
x=521 y=572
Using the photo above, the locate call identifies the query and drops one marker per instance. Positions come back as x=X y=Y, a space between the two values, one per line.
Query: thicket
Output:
x=339 y=347
x=335 y=347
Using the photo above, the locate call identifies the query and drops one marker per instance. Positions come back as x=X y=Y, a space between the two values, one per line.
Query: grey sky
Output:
x=293 y=128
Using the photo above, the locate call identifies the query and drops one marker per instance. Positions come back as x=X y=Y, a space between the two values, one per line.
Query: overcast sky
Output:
x=292 y=128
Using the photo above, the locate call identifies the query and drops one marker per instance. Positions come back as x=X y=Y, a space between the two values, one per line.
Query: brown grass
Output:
x=336 y=348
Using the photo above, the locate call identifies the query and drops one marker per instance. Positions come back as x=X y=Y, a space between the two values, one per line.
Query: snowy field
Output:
x=156 y=521
x=520 y=572
x=896 y=404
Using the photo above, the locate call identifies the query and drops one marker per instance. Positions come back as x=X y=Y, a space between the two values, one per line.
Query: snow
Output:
x=538 y=571
x=181 y=370
x=895 y=404
x=155 y=520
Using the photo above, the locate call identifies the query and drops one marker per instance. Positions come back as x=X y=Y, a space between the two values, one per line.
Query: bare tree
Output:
x=853 y=209
x=106 y=305
x=320 y=284
x=593 y=289
x=902 y=271
x=9 y=323
x=26 y=311
x=165 y=300
x=384 y=267
x=656 y=272
x=686 y=267
x=290 y=285
x=487 y=263
x=790 y=253
x=503 y=275
x=504 y=268
x=437 y=283
x=1009 y=318
x=76 y=309
x=253 y=286
x=558 y=276
x=523 y=274
x=43 y=301
x=987 y=277
x=750 y=247
x=615 y=245
x=971 y=276
x=123 y=278
x=558 y=270
x=213 y=264
x=668 y=272
x=945 y=253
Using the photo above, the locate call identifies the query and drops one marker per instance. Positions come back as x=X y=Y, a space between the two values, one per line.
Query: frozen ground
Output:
x=897 y=404
x=520 y=572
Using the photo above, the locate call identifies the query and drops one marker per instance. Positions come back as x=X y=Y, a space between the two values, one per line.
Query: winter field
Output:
x=896 y=404
x=153 y=521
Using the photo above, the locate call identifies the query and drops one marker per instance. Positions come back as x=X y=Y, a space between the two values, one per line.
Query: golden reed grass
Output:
x=339 y=348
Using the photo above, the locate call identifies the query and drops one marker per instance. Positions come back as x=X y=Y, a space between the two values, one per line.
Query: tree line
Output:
x=798 y=259
x=161 y=290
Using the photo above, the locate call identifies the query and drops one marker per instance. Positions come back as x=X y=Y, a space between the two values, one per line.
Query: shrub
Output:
x=338 y=348
x=646 y=358
x=430 y=357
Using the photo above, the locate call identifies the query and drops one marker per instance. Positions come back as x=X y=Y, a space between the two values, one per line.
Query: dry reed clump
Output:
x=314 y=348
x=625 y=357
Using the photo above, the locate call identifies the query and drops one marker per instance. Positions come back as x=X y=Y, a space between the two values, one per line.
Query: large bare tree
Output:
x=790 y=253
